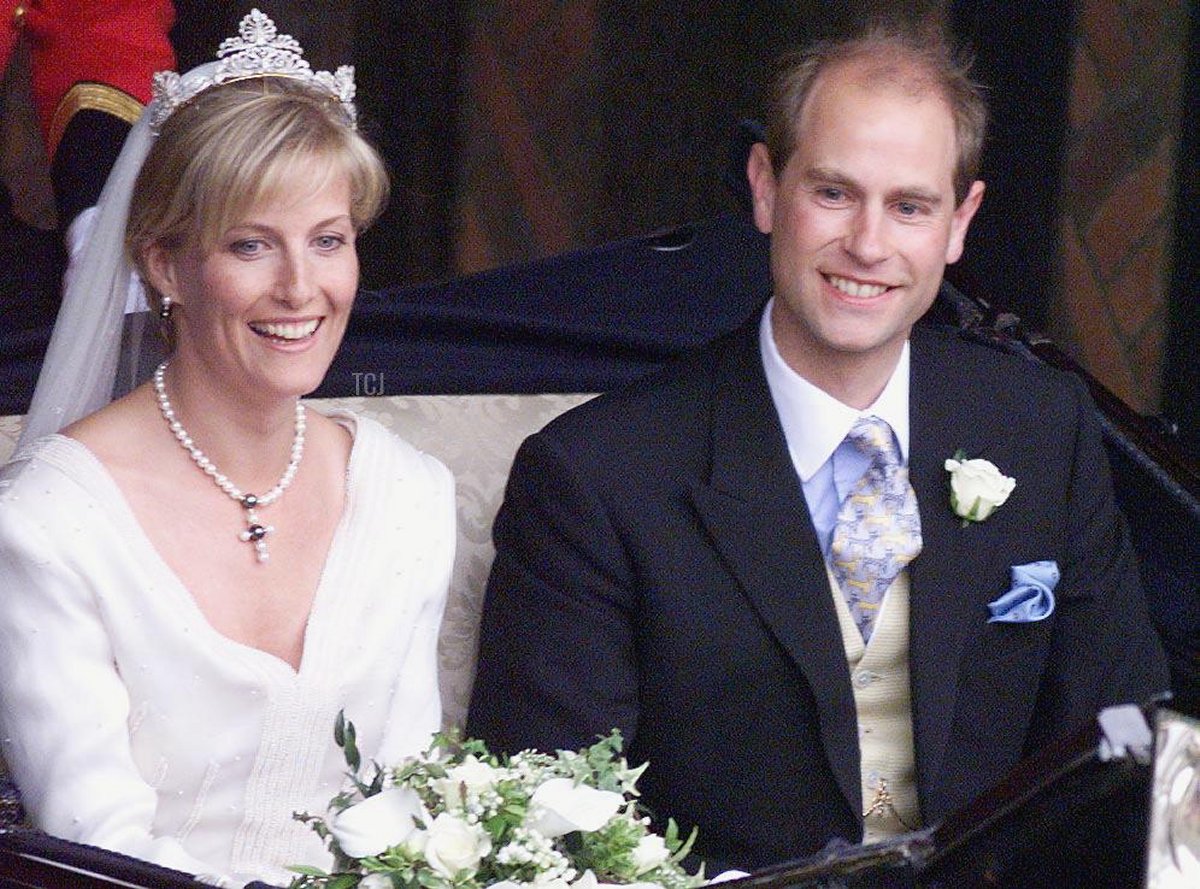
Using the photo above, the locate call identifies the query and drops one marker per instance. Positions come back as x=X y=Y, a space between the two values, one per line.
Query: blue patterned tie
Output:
x=878 y=530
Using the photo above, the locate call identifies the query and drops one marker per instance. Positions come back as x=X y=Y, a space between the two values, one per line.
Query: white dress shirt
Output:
x=815 y=425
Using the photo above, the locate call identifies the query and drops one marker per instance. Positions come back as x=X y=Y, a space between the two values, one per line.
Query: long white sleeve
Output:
x=128 y=722
x=64 y=710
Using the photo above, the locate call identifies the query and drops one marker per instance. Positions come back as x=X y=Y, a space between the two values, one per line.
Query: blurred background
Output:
x=520 y=129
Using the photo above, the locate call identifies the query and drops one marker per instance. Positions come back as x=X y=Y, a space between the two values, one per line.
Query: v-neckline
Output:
x=124 y=516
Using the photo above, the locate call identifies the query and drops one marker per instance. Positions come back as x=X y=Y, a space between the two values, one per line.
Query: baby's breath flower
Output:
x=530 y=821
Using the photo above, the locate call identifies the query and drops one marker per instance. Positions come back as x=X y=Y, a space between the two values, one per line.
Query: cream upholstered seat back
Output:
x=10 y=431
x=476 y=437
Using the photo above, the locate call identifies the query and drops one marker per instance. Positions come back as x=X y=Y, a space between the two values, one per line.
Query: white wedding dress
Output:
x=129 y=723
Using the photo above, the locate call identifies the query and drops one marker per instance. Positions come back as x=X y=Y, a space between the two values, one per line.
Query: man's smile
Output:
x=857 y=289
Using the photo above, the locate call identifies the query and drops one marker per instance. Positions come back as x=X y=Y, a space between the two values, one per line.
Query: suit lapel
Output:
x=945 y=606
x=754 y=509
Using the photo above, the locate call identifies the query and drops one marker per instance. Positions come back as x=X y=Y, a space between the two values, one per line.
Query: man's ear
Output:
x=762 y=186
x=961 y=221
x=162 y=272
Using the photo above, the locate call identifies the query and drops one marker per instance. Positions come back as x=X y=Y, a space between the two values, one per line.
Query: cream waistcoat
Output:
x=883 y=705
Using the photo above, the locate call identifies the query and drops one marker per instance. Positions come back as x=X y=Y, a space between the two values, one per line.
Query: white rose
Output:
x=452 y=845
x=561 y=806
x=650 y=852
x=378 y=823
x=977 y=487
x=375 y=881
x=472 y=774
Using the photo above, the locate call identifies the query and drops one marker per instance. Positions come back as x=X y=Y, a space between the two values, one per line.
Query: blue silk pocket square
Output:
x=1031 y=597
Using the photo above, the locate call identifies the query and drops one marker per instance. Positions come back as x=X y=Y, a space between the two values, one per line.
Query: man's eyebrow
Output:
x=923 y=195
x=829 y=176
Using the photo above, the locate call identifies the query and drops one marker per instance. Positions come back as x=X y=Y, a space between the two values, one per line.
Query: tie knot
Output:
x=873 y=437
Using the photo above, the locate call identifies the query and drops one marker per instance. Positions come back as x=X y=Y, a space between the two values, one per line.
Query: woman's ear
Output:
x=162 y=272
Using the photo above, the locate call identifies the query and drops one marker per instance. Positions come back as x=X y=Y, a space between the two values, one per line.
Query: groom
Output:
x=684 y=560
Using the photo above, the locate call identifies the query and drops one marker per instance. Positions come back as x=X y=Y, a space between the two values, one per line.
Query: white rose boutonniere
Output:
x=977 y=487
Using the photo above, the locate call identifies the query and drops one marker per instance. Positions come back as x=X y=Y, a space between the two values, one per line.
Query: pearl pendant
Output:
x=256 y=532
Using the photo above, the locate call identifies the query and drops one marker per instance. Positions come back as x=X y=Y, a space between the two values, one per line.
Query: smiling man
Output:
x=863 y=215
x=752 y=564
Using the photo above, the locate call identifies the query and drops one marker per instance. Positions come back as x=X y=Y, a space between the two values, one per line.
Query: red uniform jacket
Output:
x=110 y=47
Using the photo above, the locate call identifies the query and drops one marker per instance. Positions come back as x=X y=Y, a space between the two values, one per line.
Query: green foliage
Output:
x=490 y=800
x=608 y=852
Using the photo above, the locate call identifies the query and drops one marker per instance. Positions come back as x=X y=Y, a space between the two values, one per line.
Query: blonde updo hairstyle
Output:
x=234 y=145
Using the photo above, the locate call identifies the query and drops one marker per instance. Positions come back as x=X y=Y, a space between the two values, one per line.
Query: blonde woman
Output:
x=198 y=576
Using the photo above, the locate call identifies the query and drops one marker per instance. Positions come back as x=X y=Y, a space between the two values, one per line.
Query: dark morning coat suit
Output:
x=658 y=571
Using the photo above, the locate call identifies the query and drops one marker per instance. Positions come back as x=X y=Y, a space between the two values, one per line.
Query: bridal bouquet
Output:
x=457 y=817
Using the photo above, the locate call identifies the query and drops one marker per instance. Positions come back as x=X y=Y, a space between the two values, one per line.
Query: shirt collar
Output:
x=814 y=422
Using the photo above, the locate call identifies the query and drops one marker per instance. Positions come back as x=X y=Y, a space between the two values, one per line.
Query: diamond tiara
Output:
x=259 y=50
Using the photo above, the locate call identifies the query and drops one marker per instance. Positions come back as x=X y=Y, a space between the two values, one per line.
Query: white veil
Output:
x=84 y=363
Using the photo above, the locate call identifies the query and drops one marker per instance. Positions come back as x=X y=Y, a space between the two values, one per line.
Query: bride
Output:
x=198 y=576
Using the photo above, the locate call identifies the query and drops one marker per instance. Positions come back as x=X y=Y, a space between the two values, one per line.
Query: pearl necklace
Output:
x=255 y=532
